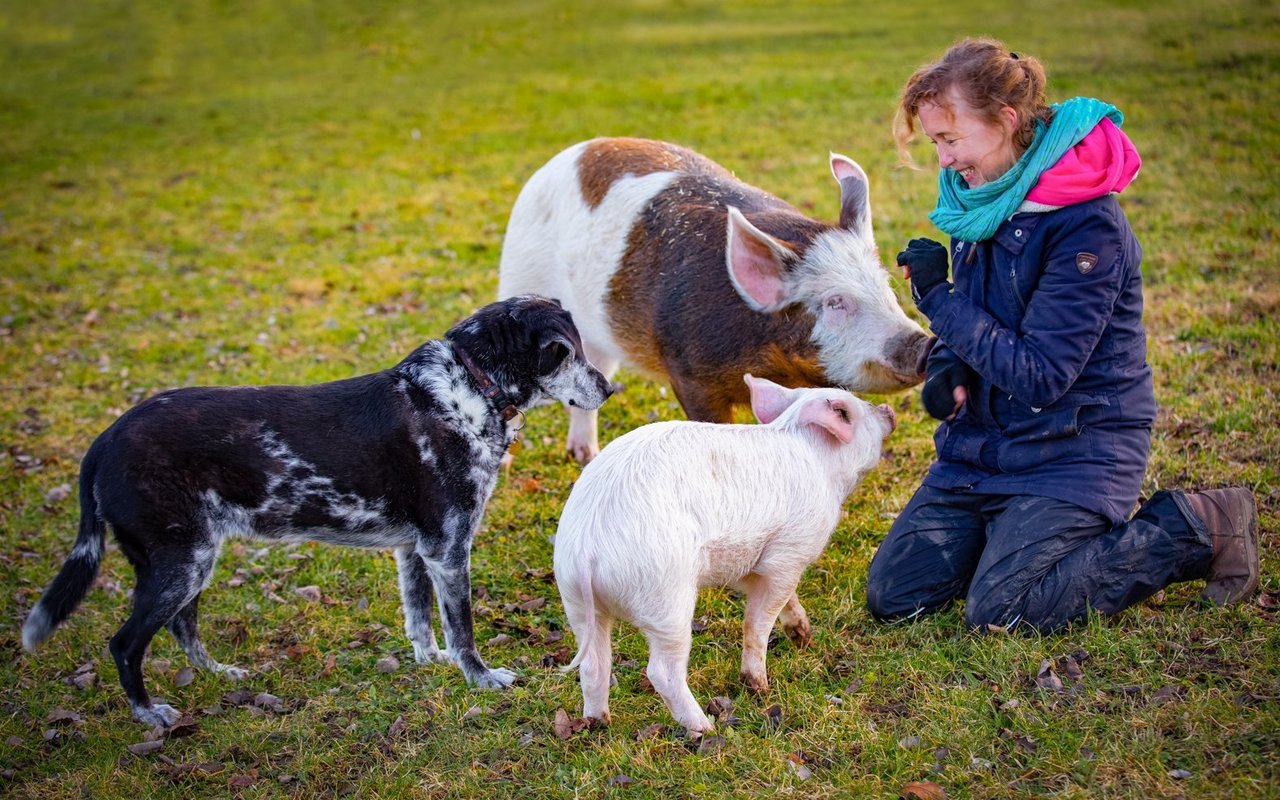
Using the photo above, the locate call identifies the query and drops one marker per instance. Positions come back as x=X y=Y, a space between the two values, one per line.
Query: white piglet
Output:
x=672 y=507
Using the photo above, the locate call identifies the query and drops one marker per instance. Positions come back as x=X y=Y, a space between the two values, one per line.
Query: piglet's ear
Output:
x=833 y=416
x=768 y=399
x=757 y=264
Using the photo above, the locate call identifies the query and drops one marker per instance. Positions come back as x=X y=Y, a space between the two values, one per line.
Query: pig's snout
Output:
x=886 y=413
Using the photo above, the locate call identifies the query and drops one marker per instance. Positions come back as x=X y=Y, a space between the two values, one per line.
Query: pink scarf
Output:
x=1104 y=161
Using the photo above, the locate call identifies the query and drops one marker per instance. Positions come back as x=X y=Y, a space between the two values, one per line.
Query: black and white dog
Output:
x=405 y=458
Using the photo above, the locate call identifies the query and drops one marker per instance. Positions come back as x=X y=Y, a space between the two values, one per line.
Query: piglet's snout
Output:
x=886 y=413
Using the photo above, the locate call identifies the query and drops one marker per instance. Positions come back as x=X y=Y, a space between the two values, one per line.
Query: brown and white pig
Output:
x=670 y=264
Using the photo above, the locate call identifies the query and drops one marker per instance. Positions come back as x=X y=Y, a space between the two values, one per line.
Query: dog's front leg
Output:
x=416 y=599
x=452 y=579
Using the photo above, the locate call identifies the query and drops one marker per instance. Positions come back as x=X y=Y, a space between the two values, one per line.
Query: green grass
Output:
x=230 y=192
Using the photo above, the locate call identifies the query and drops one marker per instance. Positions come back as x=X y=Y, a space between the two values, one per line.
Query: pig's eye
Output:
x=839 y=302
x=841 y=411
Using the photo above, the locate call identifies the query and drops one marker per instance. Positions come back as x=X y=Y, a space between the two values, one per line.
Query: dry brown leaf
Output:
x=922 y=790
x=1046 y=678
x=62 y=715
x=562 y=727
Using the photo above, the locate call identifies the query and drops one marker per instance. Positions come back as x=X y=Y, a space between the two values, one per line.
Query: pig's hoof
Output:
x=582 y=452
x=800 y=635
x=756 y=683
x=602 y=719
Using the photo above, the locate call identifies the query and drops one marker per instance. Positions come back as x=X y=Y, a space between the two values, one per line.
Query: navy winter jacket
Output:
x=1048 y=314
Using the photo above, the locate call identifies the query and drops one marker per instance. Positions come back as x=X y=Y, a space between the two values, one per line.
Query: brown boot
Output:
x=1230 y=517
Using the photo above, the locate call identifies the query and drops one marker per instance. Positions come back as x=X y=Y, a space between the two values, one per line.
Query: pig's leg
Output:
x=669 y=641
x=702 y=402
x=766 y=596
x=595 y=669
x=796 y=622
x=583 y=442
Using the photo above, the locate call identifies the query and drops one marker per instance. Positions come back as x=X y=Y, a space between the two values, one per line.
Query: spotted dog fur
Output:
x=405 y=458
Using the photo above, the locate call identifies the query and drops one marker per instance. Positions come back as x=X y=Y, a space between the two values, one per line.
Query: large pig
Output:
x=670 y=264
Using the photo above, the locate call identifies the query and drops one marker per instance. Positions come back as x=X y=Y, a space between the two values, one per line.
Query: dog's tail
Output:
x=72 y=582
x=588 y=607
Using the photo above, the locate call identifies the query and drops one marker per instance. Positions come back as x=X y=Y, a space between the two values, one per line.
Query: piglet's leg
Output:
x=766 y=596
x=796 y=622
x=669 y=673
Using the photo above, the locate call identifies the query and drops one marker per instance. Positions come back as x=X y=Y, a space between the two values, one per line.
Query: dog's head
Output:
x=529 y=346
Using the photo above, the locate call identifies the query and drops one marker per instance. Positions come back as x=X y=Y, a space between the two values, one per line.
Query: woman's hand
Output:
x=924 y=263
x=945 y=389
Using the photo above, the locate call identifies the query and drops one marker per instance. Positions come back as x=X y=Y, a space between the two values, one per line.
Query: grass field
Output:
x=224 y=192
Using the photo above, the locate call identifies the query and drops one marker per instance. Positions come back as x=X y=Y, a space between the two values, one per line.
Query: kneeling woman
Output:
x=1039 y=373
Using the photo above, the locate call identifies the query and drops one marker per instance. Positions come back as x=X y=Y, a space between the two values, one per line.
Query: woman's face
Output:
x=967 y=143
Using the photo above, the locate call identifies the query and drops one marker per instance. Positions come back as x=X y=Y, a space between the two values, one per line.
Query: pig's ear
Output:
x=855 y=198
x=768 y=399
x=758 y=264
x=831 y=415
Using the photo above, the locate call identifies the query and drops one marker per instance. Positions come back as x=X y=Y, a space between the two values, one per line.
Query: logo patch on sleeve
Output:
x=1086 y=262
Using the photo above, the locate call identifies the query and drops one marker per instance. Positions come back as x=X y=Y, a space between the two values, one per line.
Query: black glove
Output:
x=927 y=261
x=940 y=382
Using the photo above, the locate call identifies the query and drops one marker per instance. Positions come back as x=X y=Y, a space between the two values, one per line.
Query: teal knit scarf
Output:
x=973 y=215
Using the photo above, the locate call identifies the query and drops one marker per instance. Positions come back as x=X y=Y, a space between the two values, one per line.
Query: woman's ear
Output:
x=1009 y=119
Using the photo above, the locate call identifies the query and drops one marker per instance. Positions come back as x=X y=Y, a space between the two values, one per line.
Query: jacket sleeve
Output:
x=1065 y=316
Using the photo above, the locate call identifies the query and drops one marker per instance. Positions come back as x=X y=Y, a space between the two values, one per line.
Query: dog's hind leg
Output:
x=164 y=588
x=416 y=599
x=184 y=628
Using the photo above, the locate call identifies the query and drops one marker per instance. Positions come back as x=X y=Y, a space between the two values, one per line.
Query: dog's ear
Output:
x=553 y=348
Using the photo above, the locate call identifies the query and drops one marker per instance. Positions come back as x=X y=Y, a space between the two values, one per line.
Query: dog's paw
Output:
x=235 y=673
x=496 y=678
x=431 y=655
x=156 y=714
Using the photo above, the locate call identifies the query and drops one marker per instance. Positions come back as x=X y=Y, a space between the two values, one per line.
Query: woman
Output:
x=1039 y=372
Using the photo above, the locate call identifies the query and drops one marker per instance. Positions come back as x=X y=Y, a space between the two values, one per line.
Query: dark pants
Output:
x=1028 y=560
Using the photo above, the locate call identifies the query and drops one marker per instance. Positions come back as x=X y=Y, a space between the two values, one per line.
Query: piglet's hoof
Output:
x=801 y=635
x=756 y=683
